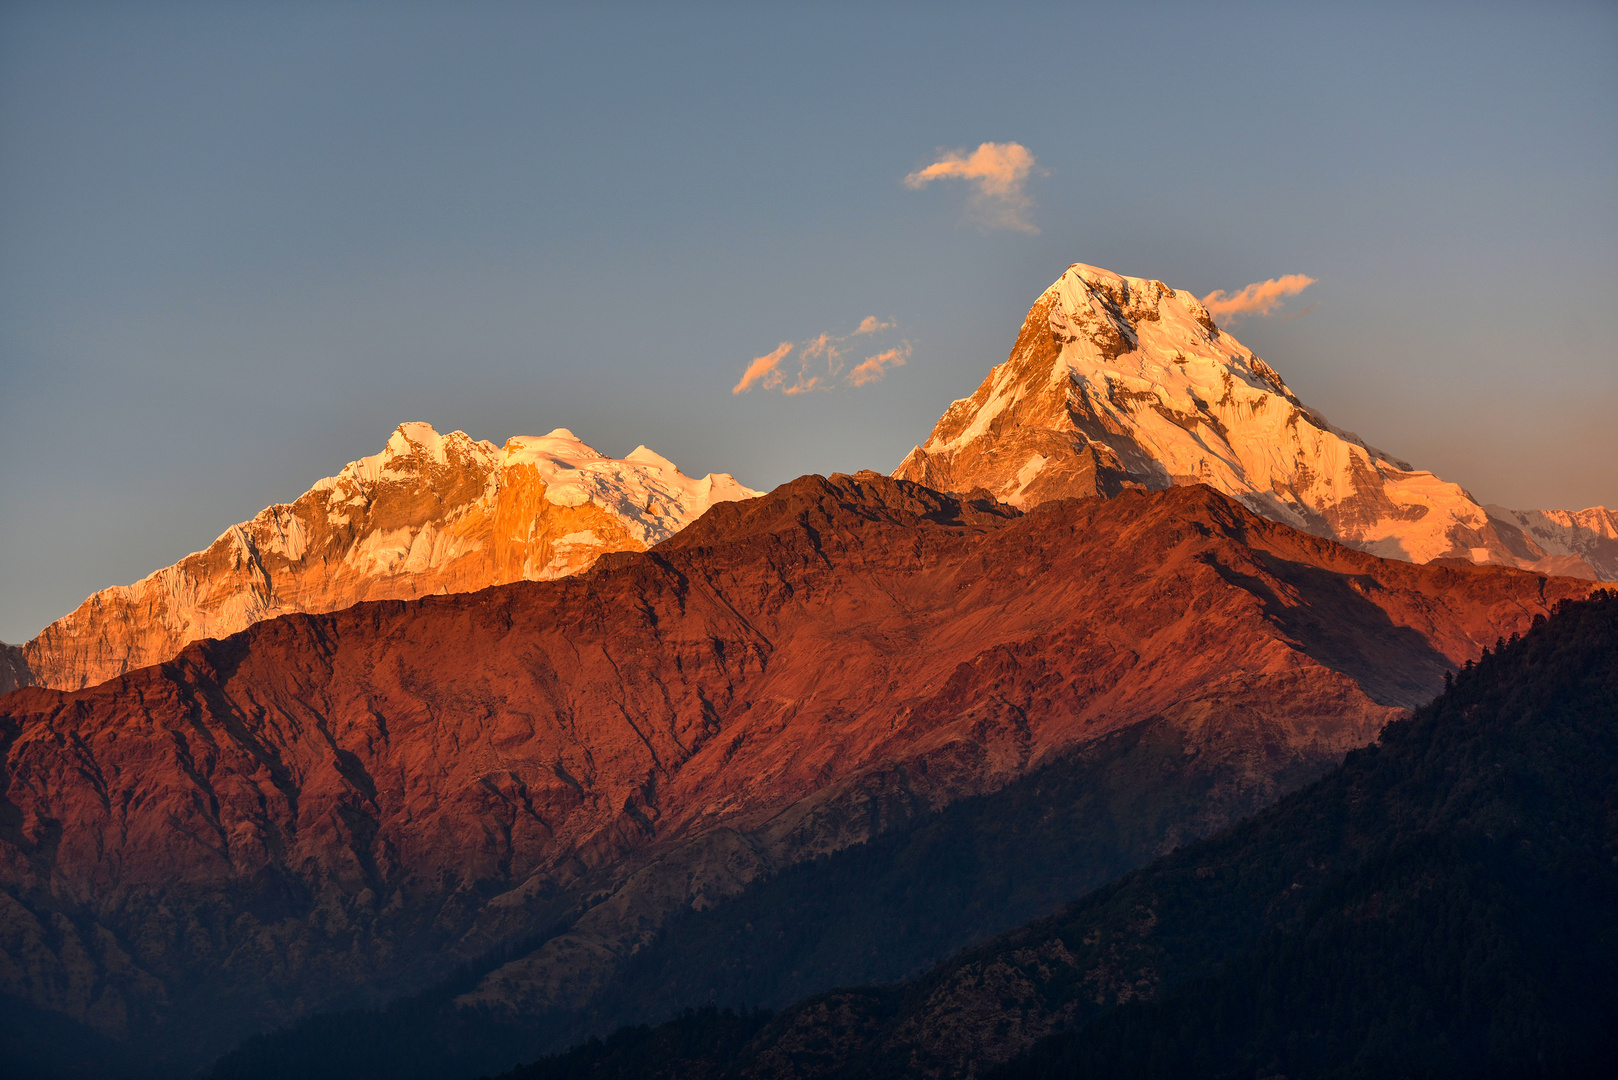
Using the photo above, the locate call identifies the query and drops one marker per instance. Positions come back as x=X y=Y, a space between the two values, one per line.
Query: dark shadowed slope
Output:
x=882 y=910
x=1457 y=907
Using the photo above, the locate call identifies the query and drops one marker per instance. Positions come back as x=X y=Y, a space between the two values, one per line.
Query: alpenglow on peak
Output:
x=429 y=514
x=1118 y=382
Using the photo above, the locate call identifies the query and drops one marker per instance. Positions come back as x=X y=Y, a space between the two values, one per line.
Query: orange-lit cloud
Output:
x=824 y=345
x=998 y=173
x=874 y=367
x=804 y=383
x=821 y=363
x=763 y=368
x=1259 y=298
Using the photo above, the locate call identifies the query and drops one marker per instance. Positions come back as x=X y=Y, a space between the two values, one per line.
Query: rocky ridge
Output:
x=430 y=514
x=345 y=804
x=1116 y=382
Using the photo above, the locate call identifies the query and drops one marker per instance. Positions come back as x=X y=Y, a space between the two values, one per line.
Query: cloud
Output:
x=874 y=367
x=1259 y=298
x=998 y=173
x=822 y=363
x=763 y=368
x=824 y=345
x=804 y=383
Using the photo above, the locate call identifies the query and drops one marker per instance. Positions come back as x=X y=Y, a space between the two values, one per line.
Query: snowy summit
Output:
x=1120 y=381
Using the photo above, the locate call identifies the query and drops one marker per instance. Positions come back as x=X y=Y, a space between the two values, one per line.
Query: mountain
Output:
x=430 y=514
x=1117 y=382
x=1444 y=904
x=1590 y=535
x=334 y=809
x=882 y=910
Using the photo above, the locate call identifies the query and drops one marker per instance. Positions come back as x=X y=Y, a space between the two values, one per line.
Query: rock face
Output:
x=325 y=806
x=1117 y=382
x=430 y=514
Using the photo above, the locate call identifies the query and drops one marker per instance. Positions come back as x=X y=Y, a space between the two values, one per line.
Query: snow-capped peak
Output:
x=429 y=513
x=1119 y=381
x=644 y=490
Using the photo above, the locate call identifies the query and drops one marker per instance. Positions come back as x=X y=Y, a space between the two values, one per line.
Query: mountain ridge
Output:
x=1116 y=382
x=348 y=799
x=429 y=513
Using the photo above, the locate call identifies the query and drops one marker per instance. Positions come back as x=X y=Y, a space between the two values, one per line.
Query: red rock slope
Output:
x=325 y=803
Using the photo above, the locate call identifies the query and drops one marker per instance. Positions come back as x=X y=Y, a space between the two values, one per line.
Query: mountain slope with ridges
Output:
x=343 y=806
x=1442 y=905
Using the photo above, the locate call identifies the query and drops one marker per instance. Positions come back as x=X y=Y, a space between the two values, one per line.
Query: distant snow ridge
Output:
x=430 y=514
x=1118 y=382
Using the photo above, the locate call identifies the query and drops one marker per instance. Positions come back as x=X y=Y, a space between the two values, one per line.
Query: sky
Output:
x=240 y=243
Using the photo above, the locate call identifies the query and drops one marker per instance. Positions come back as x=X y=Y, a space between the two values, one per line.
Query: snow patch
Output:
x=1031 y=468
x=645 y=491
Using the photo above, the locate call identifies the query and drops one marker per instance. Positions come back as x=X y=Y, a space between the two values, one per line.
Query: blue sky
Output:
x=239 y=243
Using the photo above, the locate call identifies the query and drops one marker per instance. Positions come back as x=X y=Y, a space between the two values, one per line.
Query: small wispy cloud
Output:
x=872 y=368
x=823 y=363
x=998 y=173
x=763 y=368
x=1259 y=298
